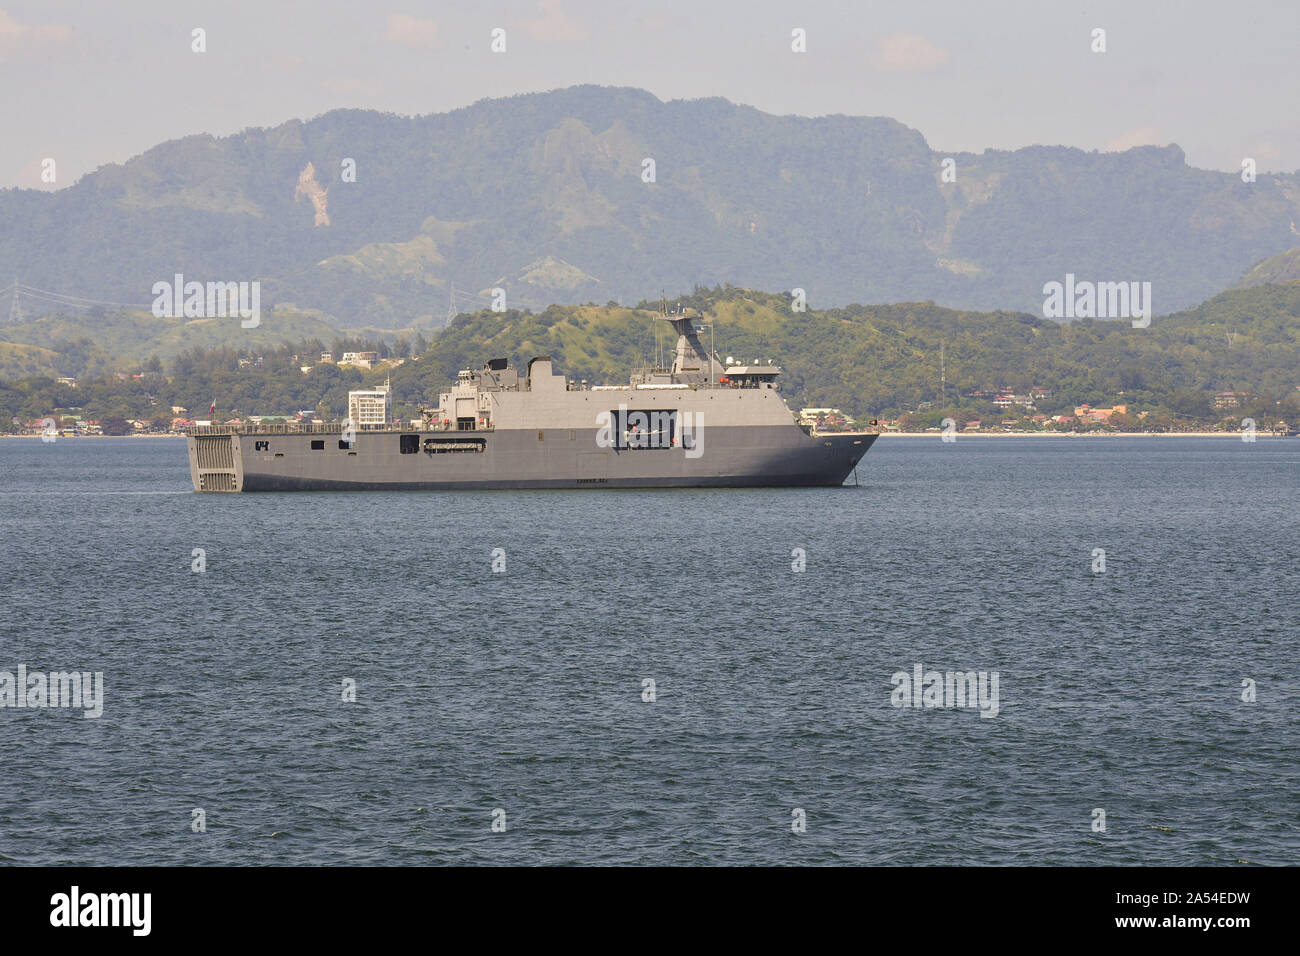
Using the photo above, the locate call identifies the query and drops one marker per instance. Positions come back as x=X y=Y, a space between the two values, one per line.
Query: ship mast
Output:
x=943 y=380
x=663 y=312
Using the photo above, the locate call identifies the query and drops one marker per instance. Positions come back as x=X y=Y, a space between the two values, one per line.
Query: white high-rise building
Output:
x=369 y=408
x=360 y=359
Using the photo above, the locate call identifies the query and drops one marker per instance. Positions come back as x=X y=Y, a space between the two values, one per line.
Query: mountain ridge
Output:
x=847 y=208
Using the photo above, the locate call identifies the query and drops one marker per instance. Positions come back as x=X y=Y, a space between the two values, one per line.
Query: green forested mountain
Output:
x=883 y=360
x=1284 y=267
x=544 y=195
x=91 y=345
x=871 y=361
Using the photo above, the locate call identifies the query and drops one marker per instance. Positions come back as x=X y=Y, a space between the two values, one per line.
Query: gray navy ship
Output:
x=698 y=423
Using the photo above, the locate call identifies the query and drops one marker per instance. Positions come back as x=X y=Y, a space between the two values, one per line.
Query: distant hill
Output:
x=1284 y=267
x=543 y=195
x=868 y=360
x=881 y=360
x=93 y=344
x=25 y=361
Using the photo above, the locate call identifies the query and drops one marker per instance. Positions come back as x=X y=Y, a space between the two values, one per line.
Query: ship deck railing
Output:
x=323 y=428
x=823 y=432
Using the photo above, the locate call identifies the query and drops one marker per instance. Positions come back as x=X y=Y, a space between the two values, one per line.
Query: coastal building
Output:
x=1230 y=399
x=359 y=359
x=370 y=407
x=1007 y=399
x=1090 y=414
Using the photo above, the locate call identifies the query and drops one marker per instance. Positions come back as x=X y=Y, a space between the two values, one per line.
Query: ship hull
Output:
x=728 y=457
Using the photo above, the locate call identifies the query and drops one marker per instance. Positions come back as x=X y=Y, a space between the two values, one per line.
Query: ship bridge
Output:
x=750 y=376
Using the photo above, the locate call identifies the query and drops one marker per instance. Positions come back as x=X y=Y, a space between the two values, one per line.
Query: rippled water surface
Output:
x=523 y=691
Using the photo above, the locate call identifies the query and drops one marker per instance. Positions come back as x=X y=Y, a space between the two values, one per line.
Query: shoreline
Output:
x=79 y=437
x=982 y=434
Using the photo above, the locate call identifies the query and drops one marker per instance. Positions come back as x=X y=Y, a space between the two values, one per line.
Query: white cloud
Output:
x=406 y=30
x=1265 y=153
x=17 y=38
x=555 y=26
x=1142 y=136
x=907 y=52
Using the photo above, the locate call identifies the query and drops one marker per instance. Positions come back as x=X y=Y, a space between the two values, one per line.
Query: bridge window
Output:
x=318 y=444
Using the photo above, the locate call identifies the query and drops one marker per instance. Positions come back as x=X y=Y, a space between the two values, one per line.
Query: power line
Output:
x=85 y=302
x=61 y=299
x=453 y=295
x=31 y=290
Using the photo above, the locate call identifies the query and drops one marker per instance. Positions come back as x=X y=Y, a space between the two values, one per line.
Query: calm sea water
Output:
x=522 y=691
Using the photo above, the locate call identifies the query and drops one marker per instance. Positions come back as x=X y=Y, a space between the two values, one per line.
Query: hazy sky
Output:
x=90 y=83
